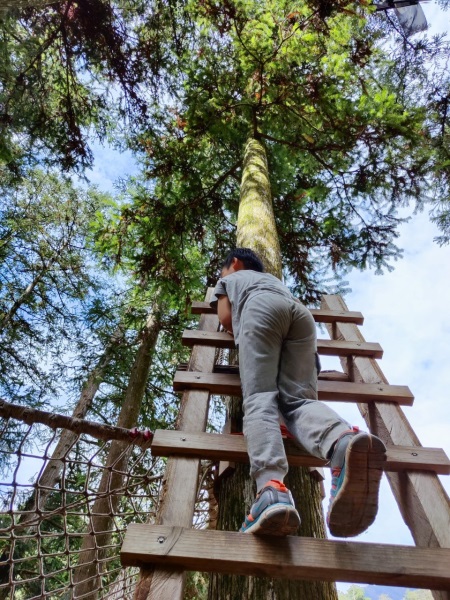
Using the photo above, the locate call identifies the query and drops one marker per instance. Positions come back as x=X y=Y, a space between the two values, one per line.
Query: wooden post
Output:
x=182 y=474
x=421 y=498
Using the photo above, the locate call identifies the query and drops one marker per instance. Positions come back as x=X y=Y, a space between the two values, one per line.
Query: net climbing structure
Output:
x=82 y=509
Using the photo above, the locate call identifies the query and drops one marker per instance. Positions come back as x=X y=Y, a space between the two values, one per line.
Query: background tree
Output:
x=345 y=148
x=354 y=592
x=93 y=549
x=45 y=279
x=71 y=72
x=418 y=595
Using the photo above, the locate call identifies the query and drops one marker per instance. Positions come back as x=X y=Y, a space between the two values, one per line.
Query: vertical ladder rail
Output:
x=421 y=498
x=181 y=477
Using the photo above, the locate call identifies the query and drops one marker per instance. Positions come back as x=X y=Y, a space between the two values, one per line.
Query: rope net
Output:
x=64 y=512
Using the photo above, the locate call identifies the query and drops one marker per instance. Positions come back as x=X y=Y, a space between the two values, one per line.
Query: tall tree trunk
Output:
x=8 y=317
x=256 y=230
x=87 y=574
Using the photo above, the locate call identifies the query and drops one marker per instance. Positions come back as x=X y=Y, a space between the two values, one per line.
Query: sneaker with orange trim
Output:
x=273 y=512
x=356 y=470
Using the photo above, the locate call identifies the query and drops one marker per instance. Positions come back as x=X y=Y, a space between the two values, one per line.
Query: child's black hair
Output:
x=248 y=257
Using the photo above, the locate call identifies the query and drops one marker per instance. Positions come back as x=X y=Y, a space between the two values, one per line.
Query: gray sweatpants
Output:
x=277 y=345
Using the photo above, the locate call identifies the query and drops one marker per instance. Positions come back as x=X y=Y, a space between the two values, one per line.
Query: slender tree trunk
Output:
x=25 y=294
x=47 y=480
x=87 y=575
x=256 y=230
x=50 y=475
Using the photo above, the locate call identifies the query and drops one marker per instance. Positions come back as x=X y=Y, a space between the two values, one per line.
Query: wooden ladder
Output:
x=164 y=551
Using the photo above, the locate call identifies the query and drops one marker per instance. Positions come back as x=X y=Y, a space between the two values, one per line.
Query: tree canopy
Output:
x=350 y=130
x=354 y=115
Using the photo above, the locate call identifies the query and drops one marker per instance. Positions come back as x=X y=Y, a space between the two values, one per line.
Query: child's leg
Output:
x=273 y=511
x=259 y=354
x=315 y=426
x=356 y=458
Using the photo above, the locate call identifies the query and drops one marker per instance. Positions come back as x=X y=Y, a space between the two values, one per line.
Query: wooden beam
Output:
x=222 y=339
x=214 y=446
x=339 y=391
x=423 y=502
x=332 y=316
x=290 y=557
x=179 y=491
x=327 y=375
x=333 y=376
x=320 y=315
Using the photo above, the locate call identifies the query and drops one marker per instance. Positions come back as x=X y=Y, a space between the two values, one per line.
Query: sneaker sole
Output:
x=356 y=504
x=277 y=519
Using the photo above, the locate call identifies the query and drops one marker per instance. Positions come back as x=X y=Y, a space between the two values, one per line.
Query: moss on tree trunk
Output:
x=256 y=227
x=256 y=230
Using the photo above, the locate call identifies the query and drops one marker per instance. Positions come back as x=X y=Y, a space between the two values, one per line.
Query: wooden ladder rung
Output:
x=333 y=376
x=320 y=315
x=221 y=339
x=226 y=447
x=327 y=375
x=289 y=557
x=339 y=391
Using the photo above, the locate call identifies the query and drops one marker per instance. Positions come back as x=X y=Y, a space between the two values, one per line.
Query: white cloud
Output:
x=110 y=165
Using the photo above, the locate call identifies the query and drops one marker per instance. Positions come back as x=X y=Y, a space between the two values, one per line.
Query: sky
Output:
x=405 y=311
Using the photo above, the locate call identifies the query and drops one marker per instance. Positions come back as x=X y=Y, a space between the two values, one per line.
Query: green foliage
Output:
x=196 y=586
x=45 y=277
x=354 y=592
x=69 y=67
x=418 y=595
x=342 y=109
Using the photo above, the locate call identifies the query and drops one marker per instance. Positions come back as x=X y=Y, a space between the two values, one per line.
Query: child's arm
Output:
x=224 y=313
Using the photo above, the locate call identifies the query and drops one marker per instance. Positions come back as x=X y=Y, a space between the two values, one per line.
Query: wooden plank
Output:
x=320 y=315
x=423 y=502
x=327 y=375
x=199 y=308
x=213 y=446
x=341 y=348
x=339 y=391
x=414 y=458
x=290 y=557
x=333 y=376
x=222 y=339
x=179 y=491
x=336 y=316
